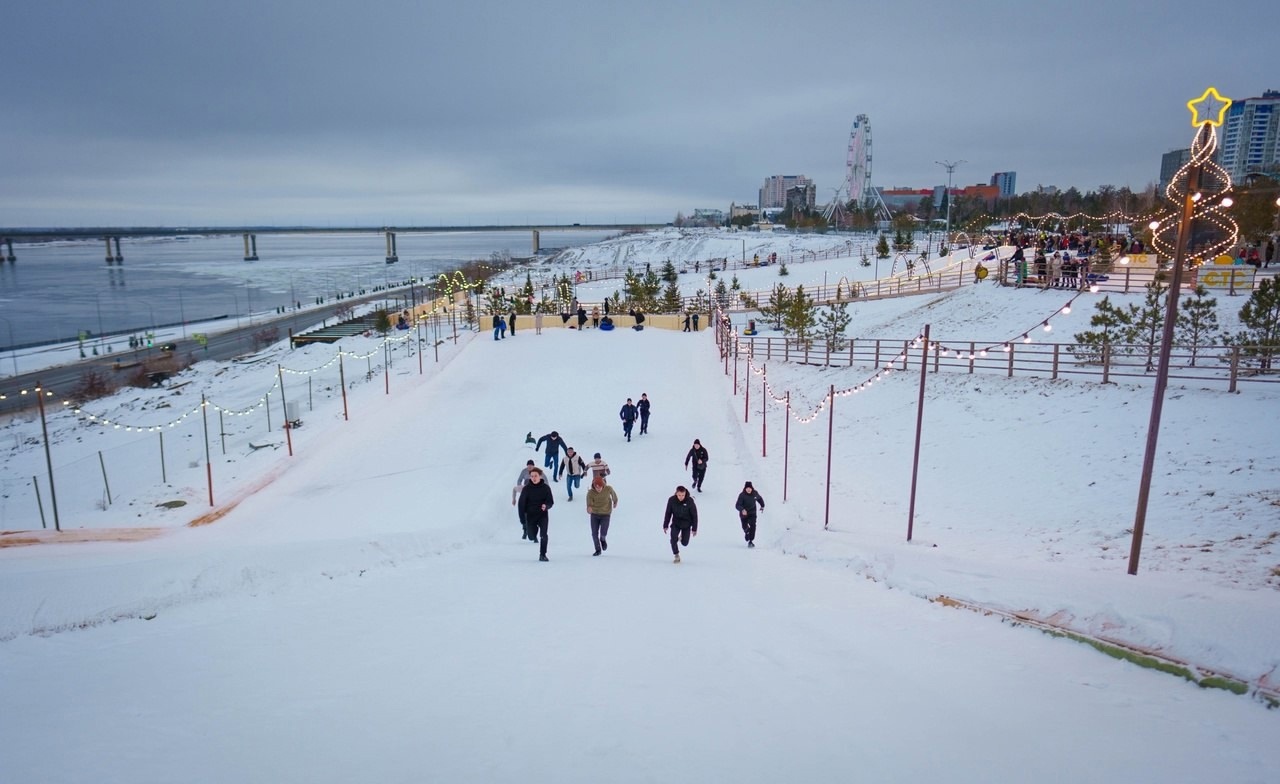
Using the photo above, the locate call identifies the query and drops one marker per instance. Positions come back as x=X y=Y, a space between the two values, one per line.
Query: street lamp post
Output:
x=950 y=166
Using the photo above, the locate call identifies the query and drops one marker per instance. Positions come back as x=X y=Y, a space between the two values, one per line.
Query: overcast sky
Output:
x=404 y=112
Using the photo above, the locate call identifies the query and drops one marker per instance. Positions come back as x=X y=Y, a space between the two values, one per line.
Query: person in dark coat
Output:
x=680 y=519
x=687 y=318
x=535 y=501
x=748 y=500
x=698 y=456
x=582 y=318
x=552 y=456
x=643 y=408
x=521 y=481
x=511 y=323
x=695 y=321
x=498 y=326
x=628 y=415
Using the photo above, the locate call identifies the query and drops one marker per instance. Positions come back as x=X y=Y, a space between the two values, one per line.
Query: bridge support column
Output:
x=250 y=241
x=8 y=243
x=117 y=257
x=392 y=258
x=536 y=245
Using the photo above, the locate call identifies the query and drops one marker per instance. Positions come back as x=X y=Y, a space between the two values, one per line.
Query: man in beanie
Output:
x=748 y=500
x=601 y=501
x=599 y=468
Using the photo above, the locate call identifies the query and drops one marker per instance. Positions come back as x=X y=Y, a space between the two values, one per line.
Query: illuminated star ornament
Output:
x=1209 y=109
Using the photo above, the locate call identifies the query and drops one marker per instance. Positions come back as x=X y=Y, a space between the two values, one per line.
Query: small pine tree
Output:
x=734 y=285
x=382 y=321
x=783 y=271
x=866 y=260
x=882 y=247
x=671 y=301
x=1197 y=321
x=1101 y=262
x=832 y=324
x=778 y=305
x=722 y=295
x=1113 y=324
x=799 y=321
x=669 y=274
x=1261 y=314
x=1148 y=323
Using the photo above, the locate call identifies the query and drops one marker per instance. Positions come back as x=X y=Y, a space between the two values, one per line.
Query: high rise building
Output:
x=773 y=194
x=1170 y=162
x=1251 y=135
x=1006 y=181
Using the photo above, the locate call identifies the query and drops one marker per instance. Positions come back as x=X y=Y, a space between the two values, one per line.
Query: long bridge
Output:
x=111 y=235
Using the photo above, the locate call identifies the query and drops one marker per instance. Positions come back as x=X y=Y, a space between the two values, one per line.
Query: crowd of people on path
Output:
x=533 y=498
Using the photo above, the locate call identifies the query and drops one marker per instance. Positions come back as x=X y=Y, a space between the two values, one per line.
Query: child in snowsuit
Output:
x=748 y=500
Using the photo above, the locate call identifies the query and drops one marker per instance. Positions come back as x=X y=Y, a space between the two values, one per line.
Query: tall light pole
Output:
x=950 y=166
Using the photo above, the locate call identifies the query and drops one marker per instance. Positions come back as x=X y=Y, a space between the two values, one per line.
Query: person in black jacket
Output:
x=628 y=416
x=643 y=408
x=748 y=500
x=552 y=456
x=535 y=501
x=681 y=519
x=698 y=456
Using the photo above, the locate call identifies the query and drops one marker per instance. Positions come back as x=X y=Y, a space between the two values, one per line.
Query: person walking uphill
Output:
x=535 y=502
x=628 y=416
x=599 y=468
x=554 y=444
x=698 y=456
x=577 y=468
x=521 y=481
x=643 y=408
x=748 y=500
x=681 y=519
x=601 y=501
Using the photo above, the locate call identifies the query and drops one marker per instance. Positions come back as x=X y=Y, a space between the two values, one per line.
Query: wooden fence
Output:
x=1227 y=366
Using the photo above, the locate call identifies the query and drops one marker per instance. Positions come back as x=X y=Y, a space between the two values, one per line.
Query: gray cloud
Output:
x=398 y=112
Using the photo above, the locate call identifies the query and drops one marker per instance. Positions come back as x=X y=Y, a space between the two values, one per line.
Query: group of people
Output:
x=632 y=411
x=533 y=498
x=1253 y=257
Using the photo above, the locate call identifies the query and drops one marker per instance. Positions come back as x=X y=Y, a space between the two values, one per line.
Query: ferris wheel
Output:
x=857 y=180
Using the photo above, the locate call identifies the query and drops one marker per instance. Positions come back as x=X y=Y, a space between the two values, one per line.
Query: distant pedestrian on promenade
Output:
x=499 y=326
x=511 y=322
